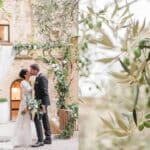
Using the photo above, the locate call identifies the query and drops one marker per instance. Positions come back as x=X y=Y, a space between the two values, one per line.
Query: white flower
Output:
x=34 y=47
x=56 y=68
x=64 y=62
x=54 y=65
x=32 y=105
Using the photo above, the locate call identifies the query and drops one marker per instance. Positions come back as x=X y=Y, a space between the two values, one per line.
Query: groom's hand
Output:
x=43 y=109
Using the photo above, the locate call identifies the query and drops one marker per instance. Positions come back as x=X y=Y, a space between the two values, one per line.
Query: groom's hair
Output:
x=35 y=67
x=22 y=73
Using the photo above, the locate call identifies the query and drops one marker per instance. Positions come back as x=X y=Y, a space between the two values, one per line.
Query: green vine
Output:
x=69 y=129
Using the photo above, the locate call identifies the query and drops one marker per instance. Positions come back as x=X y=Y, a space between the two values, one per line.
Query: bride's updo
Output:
x=22 y=73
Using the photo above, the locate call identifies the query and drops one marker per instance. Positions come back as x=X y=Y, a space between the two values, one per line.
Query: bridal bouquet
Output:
x=33 y=107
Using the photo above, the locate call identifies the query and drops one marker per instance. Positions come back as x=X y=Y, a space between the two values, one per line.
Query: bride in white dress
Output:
x=22 y=132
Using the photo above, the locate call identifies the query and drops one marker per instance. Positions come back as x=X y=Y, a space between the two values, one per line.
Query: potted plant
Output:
x=4 y=110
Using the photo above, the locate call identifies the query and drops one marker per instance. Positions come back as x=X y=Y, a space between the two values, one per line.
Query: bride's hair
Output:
x=22 y=73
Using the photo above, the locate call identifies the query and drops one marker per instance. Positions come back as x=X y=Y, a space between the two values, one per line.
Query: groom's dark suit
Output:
x=41 y=93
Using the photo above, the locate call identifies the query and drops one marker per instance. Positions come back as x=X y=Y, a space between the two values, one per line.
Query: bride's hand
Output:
x=24 y=111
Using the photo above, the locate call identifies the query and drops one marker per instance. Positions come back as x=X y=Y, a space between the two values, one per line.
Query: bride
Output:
x=22 y=133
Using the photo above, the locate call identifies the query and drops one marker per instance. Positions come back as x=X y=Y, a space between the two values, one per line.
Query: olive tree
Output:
x=115 y=29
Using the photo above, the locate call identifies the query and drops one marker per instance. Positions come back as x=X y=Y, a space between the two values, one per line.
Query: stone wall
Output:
x=19 y=15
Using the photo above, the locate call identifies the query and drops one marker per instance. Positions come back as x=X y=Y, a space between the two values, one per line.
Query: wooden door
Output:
x=15 y=94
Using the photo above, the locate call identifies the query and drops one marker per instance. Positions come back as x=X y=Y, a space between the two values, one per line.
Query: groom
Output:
x=41 y=93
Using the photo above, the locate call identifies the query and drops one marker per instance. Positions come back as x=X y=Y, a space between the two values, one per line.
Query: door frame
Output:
x=17 y=80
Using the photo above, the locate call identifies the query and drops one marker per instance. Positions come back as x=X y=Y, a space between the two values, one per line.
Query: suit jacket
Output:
x=41 y=89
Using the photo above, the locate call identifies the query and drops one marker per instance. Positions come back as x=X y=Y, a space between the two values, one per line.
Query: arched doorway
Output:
x=15 y=97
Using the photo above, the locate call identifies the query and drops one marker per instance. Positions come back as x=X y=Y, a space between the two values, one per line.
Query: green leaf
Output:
x=106 y=60
x=125 y=81
x=147 y=79
x=119 y=75
x=120 y=122
x=125 y=11
x=124 y=66
x=106 y=41
x=135 y=28
x=137 y=90
x=107 y=123
x=135 y=116
x=135 y=103
x=115 y=9
x=120 y=133
x=143 y=25
x=90 y=9
x=141 y=68
x=133 y=68
x=93 y=40
x=127 y=17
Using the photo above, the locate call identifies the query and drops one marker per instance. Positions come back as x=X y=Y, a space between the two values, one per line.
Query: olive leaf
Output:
x=135 y=28
x=119 y=75
x=105 y=40
x=124 y=66
x=115 y=9
x=90 y=9
x=143 y=25
x=120 y=133
x=135 y=103
x=147 y=79
x=120 y=121
x=107 y=123
x=106 y=60
x=141 y=68
x=125 y=11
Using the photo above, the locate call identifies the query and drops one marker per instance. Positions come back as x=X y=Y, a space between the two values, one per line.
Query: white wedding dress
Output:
x=22 y=132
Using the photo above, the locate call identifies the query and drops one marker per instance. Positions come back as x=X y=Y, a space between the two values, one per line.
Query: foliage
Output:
x=1 y=3
x=61 y=73
x=132 y=47
x=69 y=129
x=84 y=61
x=3 y=100
x=120 y=125
x=34 y=48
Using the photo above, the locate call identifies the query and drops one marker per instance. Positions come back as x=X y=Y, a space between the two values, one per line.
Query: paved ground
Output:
x=6 y=131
